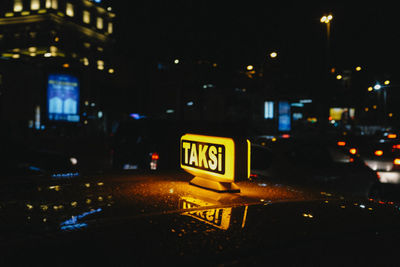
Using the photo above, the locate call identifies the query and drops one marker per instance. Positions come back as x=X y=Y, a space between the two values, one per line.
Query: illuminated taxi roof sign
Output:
x=216 y=162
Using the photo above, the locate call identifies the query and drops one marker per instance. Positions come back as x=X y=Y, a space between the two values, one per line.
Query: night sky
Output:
x=238 y=33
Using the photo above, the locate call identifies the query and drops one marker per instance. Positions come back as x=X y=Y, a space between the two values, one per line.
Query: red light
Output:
x=253 y=175
x=396 y=146
x=396 y=161
x=353 y=151
x=392 y=136
x=155 y=156
x=341 y=143
x=285 y=135
x=378 y=153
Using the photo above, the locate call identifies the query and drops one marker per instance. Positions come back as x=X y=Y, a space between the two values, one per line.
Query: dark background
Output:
x=235 y=34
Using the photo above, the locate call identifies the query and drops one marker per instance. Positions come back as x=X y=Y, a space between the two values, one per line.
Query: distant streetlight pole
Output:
x=324 y=101
x=327 y=20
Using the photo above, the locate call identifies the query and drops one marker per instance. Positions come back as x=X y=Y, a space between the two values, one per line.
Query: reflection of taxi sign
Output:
x=216 y=162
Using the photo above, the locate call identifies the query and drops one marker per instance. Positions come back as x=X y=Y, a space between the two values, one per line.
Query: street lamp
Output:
x=378 y=87
x=273 y=55
x=327 y=20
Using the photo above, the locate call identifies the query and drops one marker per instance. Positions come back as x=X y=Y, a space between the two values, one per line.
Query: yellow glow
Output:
x=370 y=89
x=273 y=55
x=18 y=5
x=85 y=61
x=390 y=114
x=358 y=68
x=42 y=11
x=25 y=13
x=69 y=10
x=326 y=19
x=248 y=158
x=111 y=71
x=99 y=23
x=35 y=4
x=374 y=106
x=250 y=67
x=208 y=157
x=100 y=64
x=339 y=77
x=86 y=16
x=366 y=109
x=387 y=82
x=54 y=4
x=9 y=14
x=65 y=65
x=48 y=4
x=110 y=28
x=219 y=218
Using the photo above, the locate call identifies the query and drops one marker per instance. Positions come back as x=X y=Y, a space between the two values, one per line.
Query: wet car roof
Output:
x=143 y=219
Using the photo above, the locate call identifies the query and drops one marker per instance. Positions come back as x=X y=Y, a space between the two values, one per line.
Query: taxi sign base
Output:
x=220 y=187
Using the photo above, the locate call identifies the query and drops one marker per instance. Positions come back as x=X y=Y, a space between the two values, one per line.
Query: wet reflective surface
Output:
x=145 y=219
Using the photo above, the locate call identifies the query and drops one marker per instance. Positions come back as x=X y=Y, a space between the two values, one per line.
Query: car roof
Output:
x=145 y=218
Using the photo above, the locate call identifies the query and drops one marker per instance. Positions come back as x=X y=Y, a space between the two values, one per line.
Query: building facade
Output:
x=63 y=45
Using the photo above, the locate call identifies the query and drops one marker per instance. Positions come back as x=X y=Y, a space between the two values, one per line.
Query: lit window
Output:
x=18 y=5
x=110 y=28
x=35 y=4
x=54 y=4
x=70 y=10
x=53 y=51
x=100 y=64
x=86 y=16
x=99 y=23
x=85 y=61
x=48 y=3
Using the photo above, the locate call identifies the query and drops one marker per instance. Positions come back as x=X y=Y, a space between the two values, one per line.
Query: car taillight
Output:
x=353 y=151
x=341 y=143
x=396 y=146
x=392 y=136
x=396 y=161
x=154 y=156
x=378 y=153
x=154 y=161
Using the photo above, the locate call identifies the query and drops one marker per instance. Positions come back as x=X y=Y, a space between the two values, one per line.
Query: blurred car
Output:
x=146 y=144
x=380 y=152
x=153 y=144
x=314 y=162
x=157 y=219
x=28 y=161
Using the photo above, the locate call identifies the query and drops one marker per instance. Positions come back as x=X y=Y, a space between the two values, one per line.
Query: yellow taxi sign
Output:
x=216 y=162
